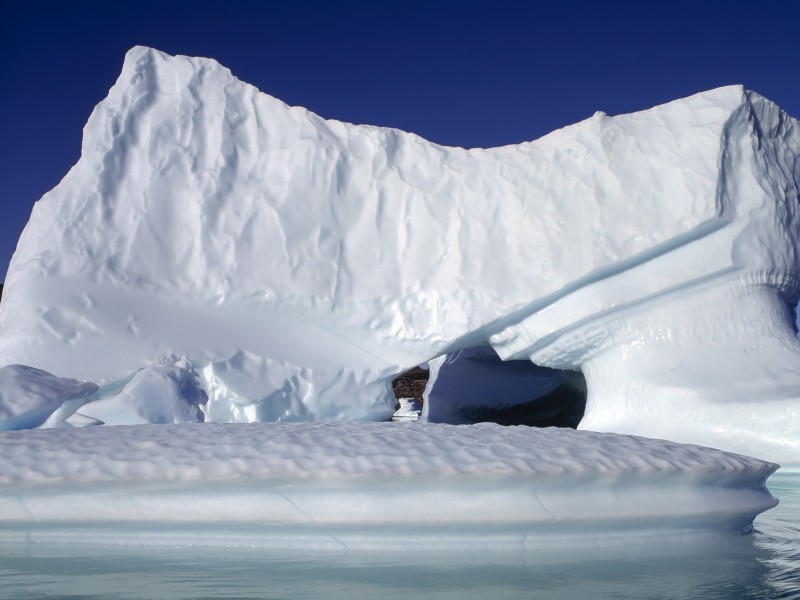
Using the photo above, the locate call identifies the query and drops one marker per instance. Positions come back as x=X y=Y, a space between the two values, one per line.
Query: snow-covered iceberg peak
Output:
x=656 y=251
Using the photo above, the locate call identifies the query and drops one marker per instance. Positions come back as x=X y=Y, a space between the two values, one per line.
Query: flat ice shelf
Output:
x=368 y=485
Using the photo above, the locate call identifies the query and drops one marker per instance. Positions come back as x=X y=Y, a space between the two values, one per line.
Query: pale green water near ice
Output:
x=763 y=565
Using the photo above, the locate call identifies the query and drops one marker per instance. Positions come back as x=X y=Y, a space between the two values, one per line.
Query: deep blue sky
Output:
x=466 y=73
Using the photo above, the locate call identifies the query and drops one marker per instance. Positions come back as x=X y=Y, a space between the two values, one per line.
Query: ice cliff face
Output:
x=654 y=251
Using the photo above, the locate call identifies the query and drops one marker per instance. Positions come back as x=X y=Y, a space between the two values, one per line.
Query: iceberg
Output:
x=169 y=392
x=369 y=486
x=29 y=396
x=300 y=263
x=409 y=410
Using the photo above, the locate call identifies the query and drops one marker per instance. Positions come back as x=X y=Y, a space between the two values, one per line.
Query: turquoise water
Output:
x=763 y=565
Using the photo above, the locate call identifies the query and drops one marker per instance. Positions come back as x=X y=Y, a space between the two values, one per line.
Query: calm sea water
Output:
x=763 y=565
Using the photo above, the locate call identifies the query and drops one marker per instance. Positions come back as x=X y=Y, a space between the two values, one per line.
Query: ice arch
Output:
x=655 y=251
x=474 y=385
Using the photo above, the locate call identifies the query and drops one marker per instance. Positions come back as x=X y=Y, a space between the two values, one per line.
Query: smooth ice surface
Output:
x=761 y=566
x=168 y=392
x=349 y=485
x=29 y=396
x=165 y=393
x=299 y=263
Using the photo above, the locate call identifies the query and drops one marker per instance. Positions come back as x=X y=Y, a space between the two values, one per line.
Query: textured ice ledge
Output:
x=364 y=485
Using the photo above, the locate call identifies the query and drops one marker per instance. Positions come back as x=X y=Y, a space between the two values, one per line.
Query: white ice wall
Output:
x=208 y=219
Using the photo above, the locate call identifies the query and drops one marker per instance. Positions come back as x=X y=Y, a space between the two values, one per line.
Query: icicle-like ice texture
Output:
x=368 y=485
x=299 y=263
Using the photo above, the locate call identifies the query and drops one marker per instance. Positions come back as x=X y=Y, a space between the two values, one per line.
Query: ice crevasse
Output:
x=300 y=263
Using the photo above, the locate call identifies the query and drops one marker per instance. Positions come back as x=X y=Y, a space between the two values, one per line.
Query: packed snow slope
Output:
x=368 y=485
x=298 y=263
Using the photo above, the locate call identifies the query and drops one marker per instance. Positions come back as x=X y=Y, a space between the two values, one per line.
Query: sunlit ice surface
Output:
x=386 y=510
x=761 y=565
x=199 y=223
x=368 y=486
x=294 y=265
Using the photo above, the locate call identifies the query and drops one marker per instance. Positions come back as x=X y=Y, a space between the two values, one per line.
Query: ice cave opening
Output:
x=474 y=385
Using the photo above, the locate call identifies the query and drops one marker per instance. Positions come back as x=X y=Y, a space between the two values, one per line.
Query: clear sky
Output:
x=465 y=73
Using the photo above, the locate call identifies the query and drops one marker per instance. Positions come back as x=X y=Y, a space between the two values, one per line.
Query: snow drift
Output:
x=656 y=252
x=368 y=486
